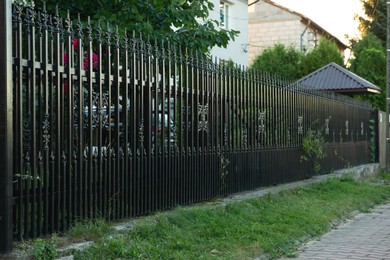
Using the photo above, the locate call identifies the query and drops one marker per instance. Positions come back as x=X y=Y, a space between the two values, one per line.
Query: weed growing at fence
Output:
x=44 y=249
x=274 y=225
x=90 y=230
x=385 y=177
x=313 y=146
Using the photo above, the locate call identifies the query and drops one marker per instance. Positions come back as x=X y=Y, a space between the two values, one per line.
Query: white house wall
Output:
x=269 y=25
x=237 y=20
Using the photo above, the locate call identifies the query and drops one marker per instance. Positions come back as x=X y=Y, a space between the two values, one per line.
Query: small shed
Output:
x=334 y=78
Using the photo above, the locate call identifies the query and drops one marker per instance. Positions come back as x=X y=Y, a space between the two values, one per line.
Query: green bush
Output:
x=44 y=250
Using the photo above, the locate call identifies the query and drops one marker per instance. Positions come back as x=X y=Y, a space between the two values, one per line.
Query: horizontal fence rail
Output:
x=115 y=126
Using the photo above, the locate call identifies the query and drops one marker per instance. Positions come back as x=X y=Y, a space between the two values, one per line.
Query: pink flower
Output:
x=75 y=44
x=94 y=61
x=65 y=58
x=66 y=87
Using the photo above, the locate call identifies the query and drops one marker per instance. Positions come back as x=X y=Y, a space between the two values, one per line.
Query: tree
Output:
x=368 y=41
x=184 y=23
x=326 y=52
x=369 y=62
x=279 y=60
x=375 y=19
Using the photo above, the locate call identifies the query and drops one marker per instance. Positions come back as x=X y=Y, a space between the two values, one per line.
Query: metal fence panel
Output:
x=115 y=126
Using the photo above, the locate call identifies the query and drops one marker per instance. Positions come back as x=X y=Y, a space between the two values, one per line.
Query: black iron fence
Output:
x=115 y=126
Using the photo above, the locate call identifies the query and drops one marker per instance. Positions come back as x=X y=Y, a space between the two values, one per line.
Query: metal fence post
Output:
x=6 y=125
x=388 y=90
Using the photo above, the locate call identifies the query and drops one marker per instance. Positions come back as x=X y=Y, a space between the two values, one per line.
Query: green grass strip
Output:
x=273 y=225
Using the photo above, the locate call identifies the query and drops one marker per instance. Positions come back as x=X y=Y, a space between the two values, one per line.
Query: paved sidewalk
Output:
x=366 y=236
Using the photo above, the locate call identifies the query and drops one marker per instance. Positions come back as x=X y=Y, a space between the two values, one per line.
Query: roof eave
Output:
x=308 y=22
x=356 y=91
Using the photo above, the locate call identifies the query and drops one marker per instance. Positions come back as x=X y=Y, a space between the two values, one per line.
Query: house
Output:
x=270 y=23
x=232 y=14
x=334 y=78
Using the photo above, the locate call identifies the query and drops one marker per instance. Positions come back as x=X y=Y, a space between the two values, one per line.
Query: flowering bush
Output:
x=95 y=61
x=75 y=44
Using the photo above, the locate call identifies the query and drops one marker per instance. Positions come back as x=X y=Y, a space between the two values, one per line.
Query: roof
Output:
x=306 y=20
x=333 y=77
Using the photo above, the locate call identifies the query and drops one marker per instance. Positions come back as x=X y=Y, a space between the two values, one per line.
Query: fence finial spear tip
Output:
x=89 y=20
x=68 y=14
x=78 y=17
x=116 y=29
x=56 y=9
x=44 y=6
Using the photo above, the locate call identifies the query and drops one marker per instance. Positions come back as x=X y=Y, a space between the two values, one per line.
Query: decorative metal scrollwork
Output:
x=141 y=133
x=57 y=22
x=346 y=128
x=186 y=111
x=17 y=12
x=225 y=134
x=121 y=153
x=341 y=136
x=203 y=111
x=174 y=136
x=334 y=136
x=27 y=133
x=300 y=125
x=46 y=134
x=288 y=136
x=262 y=124
x=245 y=137
x=362 y=128
x=68 y=24
x=327 y=126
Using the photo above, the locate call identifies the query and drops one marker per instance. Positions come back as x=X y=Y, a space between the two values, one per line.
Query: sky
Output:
x=335 y=16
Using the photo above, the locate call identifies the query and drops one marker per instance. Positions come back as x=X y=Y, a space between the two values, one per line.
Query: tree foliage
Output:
x=291 y=64
x=369 y=62
x=375 y=19
x=326 y=52
x=279 y=60
x=185 y=23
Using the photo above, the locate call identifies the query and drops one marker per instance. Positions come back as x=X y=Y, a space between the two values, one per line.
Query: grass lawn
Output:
x=273 y=225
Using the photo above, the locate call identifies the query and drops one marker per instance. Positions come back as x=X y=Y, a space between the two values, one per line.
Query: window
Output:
x=224 y=14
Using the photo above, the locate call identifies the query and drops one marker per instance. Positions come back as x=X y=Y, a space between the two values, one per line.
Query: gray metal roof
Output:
x=333 y=77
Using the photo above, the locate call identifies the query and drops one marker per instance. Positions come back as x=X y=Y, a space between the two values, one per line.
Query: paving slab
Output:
x=365 y=236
